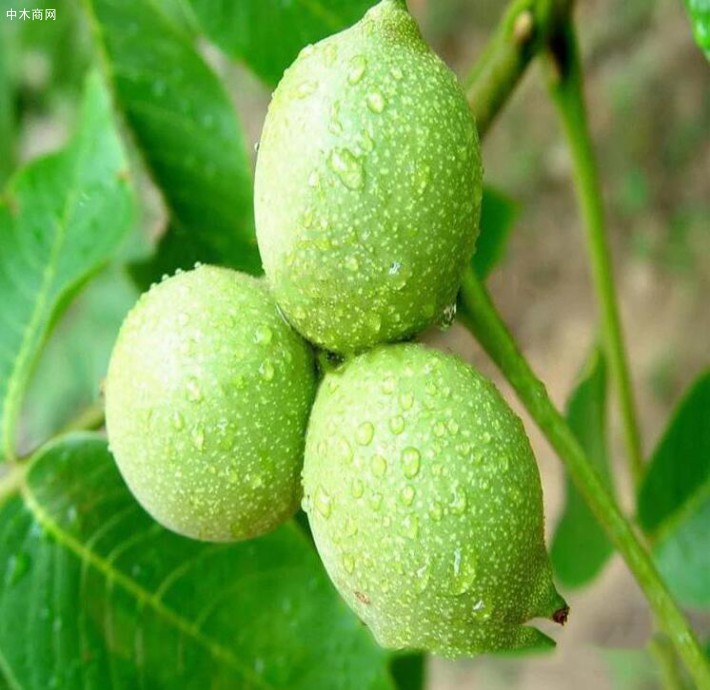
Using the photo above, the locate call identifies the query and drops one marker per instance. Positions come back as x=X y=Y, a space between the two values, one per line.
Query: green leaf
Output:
x=7 y=105
x=408 y=671
x=699 y=11
x=61 y=218
x=674 y=500
x=580 y=548
x=187 y=130
x=268 y=34
x=498 y=213
x=94 y=595
x=74 y=360
x=680 y=466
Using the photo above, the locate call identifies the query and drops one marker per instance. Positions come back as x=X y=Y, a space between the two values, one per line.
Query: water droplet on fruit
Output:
x=397 y=424
x=178 y=421
x=464 y=572
x=397 y=73
x=406 y=401
x=266 y=369
x=357 y=69
x=348 y=563
x=423 y=576
x=375 y=500
x=364 y=433
x=411 y=461
x=347 y=167
x=306 y=88
x=407 y=495
x=335 y=125
x=388 y=384
x=376 y=102
x=436 y=512
x=263 y=335
x=379 y=465
x=198 y=437
x=410 y=525
x=323 y=502
x=357 y=488
x=458 y=502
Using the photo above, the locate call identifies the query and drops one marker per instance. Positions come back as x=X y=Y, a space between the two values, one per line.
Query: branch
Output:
x=523 y=32
x=479 y=315
x=566 y=88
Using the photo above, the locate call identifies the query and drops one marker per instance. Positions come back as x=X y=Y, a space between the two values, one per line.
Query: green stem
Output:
x=566 y=88
x=525 y=29
x=479 y=315
x=667 y=661
x=90 y=418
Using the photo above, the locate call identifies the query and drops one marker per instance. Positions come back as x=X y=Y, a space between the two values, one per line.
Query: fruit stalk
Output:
x=524 y=30
x=478 y=314
x=566 y=89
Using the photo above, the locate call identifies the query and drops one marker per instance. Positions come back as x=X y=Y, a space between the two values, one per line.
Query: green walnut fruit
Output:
x=425 y=503
x=208 y=394
x=368 y=185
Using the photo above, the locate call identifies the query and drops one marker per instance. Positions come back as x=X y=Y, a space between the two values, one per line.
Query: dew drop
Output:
x=350 y=528
x=423 y=576
x=178 y=421
x=464 y=572
x=348 y=563
x=198 y=437
x=366 y=142
x=376 y=102
x=439 y=429
x=266 y=369
x=453 y=427
x=406 y=401
x=343 y=451
x=379 y=465
x=411 y=461
x=411 y=526
x=263 y=335
x=357 y=488
x=347 y=167
x=352 y=264
x=323 y=502
x=364 y=433
x=397 y=424
x=459 y=501
x=388 y=384
x=306 y=88
x=357 y=69
x=375 y=500
x=407 y=495
x=436 y=512
x=397 y=73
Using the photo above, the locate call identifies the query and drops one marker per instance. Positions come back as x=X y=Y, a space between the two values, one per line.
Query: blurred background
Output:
x=648 y=92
